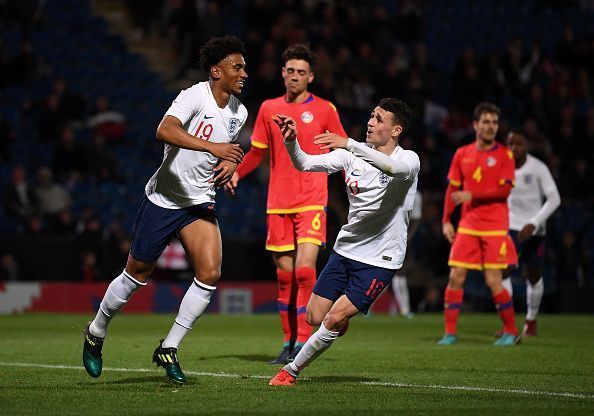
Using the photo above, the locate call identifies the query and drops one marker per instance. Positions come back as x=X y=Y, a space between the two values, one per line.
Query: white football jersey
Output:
x=182 y=180
x=534 y=183
x=380 y=204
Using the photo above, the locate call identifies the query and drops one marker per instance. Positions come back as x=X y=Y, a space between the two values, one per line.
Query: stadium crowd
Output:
x=60 y=146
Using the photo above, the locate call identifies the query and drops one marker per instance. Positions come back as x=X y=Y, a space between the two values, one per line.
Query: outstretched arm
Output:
x=401 y=170
x=329 y=162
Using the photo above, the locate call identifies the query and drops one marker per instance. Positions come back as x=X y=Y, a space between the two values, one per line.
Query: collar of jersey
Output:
x=309 y=98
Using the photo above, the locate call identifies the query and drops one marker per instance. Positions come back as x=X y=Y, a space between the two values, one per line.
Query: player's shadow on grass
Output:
x=142 y=379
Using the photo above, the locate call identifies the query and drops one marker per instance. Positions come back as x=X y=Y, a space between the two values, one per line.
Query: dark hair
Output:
x=483 y=108
x=401 y=112
x=217 y=49
x=517 y=130
x=299 y=51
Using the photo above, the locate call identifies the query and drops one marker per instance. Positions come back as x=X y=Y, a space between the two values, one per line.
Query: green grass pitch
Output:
x=384 y=365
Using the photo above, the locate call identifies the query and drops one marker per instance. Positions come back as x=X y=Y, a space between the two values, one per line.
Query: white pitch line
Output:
x=483 y=389
x=368 y=383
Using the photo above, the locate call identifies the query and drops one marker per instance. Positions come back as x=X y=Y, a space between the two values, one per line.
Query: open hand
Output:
x=331 y=141
x=287 y=126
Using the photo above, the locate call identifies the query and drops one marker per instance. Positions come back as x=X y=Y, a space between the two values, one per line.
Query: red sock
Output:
x=285 y=280
x=451 y=309
x=293 y=309
x=505 y=309
x=306 y=278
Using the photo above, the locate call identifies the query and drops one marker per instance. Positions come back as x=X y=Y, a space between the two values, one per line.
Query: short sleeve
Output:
x=261 y=132
x=508 y=169
x=333 y=123
x=186 y=104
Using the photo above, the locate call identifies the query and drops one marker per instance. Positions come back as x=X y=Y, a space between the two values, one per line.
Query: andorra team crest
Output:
x=491 y=161
x=307 y=117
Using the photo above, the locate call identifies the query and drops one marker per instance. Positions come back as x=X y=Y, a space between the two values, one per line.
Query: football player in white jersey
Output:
x=199 y=131
x=531 y=202
x=381 y=180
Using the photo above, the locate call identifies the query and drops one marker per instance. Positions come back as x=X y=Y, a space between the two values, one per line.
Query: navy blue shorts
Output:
x=360 y=282
x=531 y=251
x=154 y=226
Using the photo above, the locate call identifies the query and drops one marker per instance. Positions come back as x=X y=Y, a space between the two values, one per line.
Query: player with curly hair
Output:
x=199 y=131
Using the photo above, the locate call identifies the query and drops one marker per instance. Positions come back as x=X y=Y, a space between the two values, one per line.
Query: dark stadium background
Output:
x=83 y=85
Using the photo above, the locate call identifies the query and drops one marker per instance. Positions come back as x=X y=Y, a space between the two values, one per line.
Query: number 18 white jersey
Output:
x=182 y=180
x=379 y=205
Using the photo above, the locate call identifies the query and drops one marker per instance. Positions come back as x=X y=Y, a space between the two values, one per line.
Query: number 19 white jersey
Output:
x=182 y=180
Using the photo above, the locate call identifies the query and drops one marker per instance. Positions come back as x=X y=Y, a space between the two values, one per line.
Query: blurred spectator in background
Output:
x=52 y=196
x=51 y=119
x=88 y=266
x=9 y=268
x=68 y=160
x=63 y=223
x=20 y=199
x=90 y=231
x=34 y=225
x=72 y=104
x=107 y=122
x=99 y=162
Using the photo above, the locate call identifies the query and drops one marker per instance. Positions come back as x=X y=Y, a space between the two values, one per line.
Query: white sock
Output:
x=507 y=284
x=400 y=289
x=191 y=308
x=116 y=296
x=313 y=347
x=533 y=298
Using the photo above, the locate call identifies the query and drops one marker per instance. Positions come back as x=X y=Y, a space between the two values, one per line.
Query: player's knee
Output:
x=209 y=276
x=313 y=319
x=334 y=321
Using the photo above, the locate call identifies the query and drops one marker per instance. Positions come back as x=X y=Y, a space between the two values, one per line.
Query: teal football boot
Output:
x=448 y=339
x=92 y=357
x=167 y=358
x=507 y=339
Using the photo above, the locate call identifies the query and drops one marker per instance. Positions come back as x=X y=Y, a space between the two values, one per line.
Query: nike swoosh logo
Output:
x=355 y=174
x=207 y=117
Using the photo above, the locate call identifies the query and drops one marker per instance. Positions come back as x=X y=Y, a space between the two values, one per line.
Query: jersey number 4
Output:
x=204 y=131
x=477 y=175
